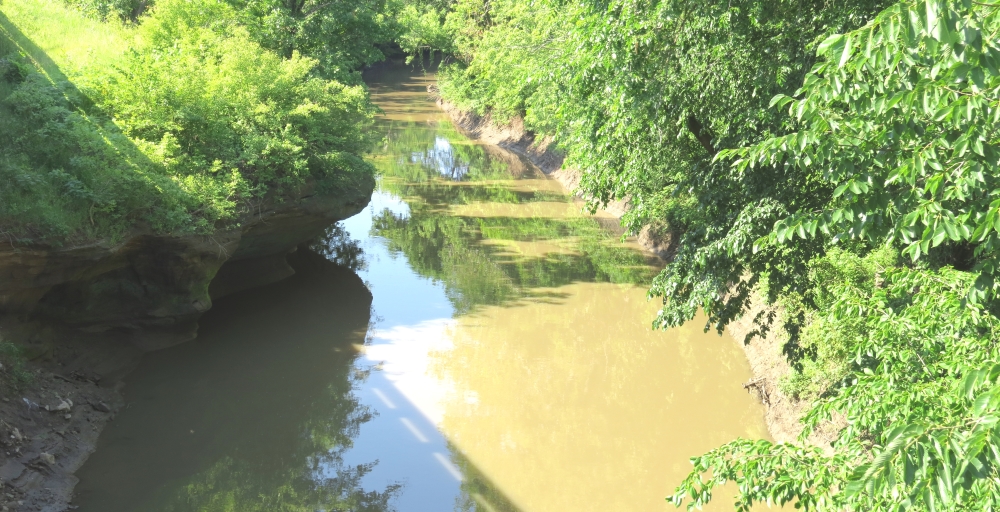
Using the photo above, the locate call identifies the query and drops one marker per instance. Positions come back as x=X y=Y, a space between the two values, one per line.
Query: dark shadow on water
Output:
x=254 y=415
x=257 y=411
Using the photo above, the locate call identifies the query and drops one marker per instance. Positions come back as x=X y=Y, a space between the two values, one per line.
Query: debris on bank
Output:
x=48 y=430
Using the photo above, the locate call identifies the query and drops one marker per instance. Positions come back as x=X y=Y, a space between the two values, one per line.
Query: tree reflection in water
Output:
x=496 y=233
x=489 y=238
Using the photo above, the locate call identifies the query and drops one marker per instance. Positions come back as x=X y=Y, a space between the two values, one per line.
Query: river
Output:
x=471 y=341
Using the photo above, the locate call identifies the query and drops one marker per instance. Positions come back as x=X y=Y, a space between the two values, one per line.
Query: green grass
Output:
x=178 y=125
x=15 y=374
x=62 y=40
x=63 y=170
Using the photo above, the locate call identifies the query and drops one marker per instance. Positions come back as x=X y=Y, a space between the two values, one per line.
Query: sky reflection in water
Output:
x=518 y=371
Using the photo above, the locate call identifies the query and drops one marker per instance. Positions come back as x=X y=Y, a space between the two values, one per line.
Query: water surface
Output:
x=506 y=364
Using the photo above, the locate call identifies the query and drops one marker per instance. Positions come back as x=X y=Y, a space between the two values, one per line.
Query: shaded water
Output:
x=509 y=364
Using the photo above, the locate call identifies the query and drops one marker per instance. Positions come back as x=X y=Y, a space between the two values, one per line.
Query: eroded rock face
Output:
x=157 y=286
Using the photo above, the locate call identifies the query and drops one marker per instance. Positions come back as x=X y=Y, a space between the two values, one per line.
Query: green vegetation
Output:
x=180 y=123
x=836 y=159
x=14 y=373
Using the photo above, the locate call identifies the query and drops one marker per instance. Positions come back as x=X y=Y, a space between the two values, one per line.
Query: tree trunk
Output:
x=704 y=136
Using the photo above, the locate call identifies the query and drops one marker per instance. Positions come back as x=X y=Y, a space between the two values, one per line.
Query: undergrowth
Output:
x=179 y=124
x=14 y=374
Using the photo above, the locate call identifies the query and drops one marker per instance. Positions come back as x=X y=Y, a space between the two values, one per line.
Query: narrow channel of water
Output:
x=470 y=341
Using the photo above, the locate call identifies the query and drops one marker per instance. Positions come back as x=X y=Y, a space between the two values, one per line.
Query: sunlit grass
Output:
x=65 y=38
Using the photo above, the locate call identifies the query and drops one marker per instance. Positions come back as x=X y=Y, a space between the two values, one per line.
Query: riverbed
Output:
x=471 y=341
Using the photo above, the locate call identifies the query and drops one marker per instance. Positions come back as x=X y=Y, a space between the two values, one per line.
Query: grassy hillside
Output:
x=177 y=124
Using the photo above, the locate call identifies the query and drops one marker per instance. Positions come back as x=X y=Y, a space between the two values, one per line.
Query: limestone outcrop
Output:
x=156 y=286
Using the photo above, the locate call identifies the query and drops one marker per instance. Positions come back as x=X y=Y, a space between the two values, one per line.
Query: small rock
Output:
x=6 y=400
x=64 y=405
x=11 y=470
x=48 y=458
x=16 y=434
x=68 y=416
x=100 y=407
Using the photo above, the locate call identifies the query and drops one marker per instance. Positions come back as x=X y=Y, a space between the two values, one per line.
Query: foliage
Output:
x=508 y=53
x=207 y=125
x=293 y=26
x=826 y=342
x=900 y=119
x=232 y=121
x=920 y=398
x=341 y=35
x=111 y=10
x=422 y=28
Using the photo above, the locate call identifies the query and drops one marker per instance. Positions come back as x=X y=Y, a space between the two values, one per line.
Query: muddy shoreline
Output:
x=767 y=363
x=50 y=424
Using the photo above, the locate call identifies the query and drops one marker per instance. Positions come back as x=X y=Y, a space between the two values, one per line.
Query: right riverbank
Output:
x=783 y=413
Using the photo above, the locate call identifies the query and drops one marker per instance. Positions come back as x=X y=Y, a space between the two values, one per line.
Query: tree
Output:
x=899 y=118
x=342 y=35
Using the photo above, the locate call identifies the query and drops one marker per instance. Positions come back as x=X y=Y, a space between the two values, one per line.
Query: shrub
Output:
x=206 y=125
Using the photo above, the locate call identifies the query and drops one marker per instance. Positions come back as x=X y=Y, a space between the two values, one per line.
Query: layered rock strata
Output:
x=156 y=286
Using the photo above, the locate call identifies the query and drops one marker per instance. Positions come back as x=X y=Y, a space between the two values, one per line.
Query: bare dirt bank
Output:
x=769 y=366
x=49 y=424
x=767 y=362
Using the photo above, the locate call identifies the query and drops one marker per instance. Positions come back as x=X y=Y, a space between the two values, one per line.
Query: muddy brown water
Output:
x=471 y=341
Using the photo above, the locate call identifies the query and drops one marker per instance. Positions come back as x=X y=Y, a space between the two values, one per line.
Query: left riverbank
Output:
x=147 y=169
x=59 y=391
x=83 y=317
x=113 y=305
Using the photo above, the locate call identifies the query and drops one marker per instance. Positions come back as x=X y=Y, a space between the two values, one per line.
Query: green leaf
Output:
x=845 y=55
x=833 y=42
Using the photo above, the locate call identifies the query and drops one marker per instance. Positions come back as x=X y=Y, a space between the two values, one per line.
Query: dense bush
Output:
x=228 y=120
x=66 y=177
x=206 y=125
x=341 y=35
x=829 y=342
